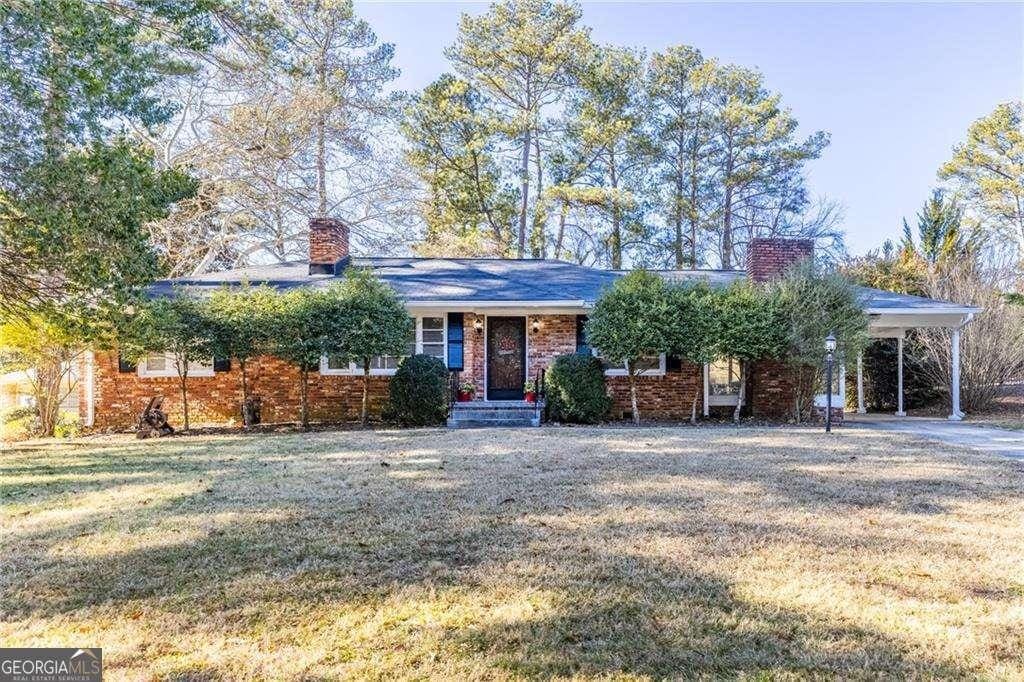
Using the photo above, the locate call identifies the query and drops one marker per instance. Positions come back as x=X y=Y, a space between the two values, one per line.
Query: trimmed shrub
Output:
x=19 y=423
x=418 y=392
x=575 y=390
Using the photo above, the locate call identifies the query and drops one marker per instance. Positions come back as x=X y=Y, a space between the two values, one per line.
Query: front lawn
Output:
x=500 y=554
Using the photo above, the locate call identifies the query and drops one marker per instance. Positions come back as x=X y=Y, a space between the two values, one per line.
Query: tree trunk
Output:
x=321 y=142
x=727 y=210
x=727 y=230
x=47 y=404
x=538 y=239
x=364 y=414
x=562 y=215
x=632 y=394
x=615 y=240
x=304 y=397
x=678 y=244
x=743 y=391
x=524 y=188
x=183 y=375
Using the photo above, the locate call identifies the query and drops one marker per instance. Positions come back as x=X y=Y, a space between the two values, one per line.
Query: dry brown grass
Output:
x=627 y=553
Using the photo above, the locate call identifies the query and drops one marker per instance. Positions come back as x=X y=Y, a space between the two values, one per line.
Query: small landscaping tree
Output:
x=418 y=393
x=634 y=318
x=810 y=307
x=374 y=323
x=178 y=325
x=575 y=389
x=242 y=321
x=303 y=328
x=45 y=350
x=696 y=329
x=751 y=328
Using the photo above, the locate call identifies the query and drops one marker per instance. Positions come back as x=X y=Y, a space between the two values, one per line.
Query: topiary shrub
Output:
x=575 y=390
x=418 y=392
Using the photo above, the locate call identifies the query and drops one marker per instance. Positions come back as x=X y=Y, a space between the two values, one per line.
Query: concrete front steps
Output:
x=478 y=413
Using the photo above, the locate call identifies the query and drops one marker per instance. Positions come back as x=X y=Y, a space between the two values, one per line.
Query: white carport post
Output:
x=860 y=384
x=954 y=393
x=899 y=377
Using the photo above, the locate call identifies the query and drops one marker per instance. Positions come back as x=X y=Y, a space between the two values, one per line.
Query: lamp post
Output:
x=830 y=349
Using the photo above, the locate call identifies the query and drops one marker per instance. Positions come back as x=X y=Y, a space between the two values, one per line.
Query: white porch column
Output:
x=899 y=378
x=954 y=392
x=860 y=384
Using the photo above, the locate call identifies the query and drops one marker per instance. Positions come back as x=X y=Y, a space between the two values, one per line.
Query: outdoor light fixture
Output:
x=830 y=349
x=478 y=324
x=535 y=326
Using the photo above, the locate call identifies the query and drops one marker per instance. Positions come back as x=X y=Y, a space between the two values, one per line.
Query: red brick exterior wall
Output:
x=120 y=397
x=768 y=258
x=473 y=352
x=328 y=241
x=555 y=335
x=661 y=397
x=771 y=391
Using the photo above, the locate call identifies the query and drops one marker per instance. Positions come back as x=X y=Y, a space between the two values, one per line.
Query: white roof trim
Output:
x=931 y=310
x=419 y=303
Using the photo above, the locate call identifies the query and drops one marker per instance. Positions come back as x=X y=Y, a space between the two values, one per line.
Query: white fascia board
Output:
x=501 y=307
x=958 y=310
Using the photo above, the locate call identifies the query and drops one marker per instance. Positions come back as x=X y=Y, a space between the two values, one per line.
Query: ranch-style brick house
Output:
x=497 y=322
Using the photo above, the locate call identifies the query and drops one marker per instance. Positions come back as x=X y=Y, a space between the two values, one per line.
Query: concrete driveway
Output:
x=990 y=439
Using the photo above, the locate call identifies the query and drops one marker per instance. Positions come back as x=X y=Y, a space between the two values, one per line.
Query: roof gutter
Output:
x=962 y=310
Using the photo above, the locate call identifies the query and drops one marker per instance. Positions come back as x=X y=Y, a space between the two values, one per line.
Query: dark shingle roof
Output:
x=493 y=280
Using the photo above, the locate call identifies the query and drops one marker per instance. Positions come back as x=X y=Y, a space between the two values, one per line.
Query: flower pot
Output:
x=531 y=397
x=465 y=396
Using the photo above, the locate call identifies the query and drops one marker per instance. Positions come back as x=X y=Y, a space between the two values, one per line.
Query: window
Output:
x=427 y=337
x=723 y=381
x=582 y=347
x=651 y=365
x=164 y=365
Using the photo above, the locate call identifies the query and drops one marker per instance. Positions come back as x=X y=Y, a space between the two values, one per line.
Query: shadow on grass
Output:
x=312 y=522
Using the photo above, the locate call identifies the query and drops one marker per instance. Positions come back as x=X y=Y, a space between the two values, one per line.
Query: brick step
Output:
x=484 y=423
x=504 y=413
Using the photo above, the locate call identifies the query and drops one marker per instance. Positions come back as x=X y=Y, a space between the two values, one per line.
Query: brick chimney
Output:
x=328 y=246
x=768 y=258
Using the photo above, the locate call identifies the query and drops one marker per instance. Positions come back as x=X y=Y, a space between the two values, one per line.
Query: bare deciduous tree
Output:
x=991 y=345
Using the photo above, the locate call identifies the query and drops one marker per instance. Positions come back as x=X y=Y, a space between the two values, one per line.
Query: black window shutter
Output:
x=582 y=347
x=673 y=363
x=455 y=341
x=124 y=366
x=222 y=364
x=312 y=367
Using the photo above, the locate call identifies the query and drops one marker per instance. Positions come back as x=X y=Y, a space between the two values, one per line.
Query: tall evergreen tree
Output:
x=607 y=115
x=520 y=54
x=988 y=171
x=681 y=85
x=469 y=208
x=338 y=71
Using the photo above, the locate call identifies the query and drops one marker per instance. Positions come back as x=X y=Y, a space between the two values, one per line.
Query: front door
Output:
x=506 y=357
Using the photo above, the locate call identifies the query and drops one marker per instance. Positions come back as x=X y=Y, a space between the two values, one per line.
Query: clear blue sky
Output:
x=896 y=85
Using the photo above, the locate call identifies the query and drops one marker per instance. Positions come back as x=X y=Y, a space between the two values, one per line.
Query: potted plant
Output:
x=530 y=389
x=466 y=391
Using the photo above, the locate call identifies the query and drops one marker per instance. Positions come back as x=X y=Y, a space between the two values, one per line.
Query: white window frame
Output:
x=195 y=369
x=621 y=371
x=354 y=369
x=712 y=400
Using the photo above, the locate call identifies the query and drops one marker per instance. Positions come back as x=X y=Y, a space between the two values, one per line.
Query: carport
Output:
x=891 y=315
